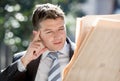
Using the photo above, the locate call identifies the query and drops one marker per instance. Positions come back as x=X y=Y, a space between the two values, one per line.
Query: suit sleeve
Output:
x=11 y=73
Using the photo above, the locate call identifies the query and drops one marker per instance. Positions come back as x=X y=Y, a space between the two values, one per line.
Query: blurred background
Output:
x=16 y=26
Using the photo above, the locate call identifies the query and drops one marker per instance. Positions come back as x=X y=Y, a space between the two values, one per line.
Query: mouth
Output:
x=57 y=43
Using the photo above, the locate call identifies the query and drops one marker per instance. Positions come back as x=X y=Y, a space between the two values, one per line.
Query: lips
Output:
x=57 y=42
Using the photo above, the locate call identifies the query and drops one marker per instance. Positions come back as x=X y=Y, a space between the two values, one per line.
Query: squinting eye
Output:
x=61 y=29
x=48 y=32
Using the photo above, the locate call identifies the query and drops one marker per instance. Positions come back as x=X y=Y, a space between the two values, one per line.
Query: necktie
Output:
x=54 y=73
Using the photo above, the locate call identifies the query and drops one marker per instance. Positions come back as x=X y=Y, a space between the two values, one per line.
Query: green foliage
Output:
x=15 y=20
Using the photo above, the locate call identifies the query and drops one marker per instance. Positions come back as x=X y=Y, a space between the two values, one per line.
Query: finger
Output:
x=36 y=36
x=38 y=53
x=37 y=43
x=34 y=44
x=34 y=32
x=42 y=50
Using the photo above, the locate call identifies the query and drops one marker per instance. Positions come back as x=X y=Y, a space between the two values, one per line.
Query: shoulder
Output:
x=72 y=44
x=18 y=55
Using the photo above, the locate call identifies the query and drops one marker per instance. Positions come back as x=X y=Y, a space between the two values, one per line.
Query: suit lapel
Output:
x=33 y=66
x=32 y=69
x=71 y=47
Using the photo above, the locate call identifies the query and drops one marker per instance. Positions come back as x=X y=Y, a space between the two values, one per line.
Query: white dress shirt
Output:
x=45 y=63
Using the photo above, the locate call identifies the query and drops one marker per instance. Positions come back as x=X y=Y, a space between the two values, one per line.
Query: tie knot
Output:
x=53 y=55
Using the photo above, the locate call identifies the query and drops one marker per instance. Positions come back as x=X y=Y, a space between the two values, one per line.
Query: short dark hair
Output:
x=46 y=11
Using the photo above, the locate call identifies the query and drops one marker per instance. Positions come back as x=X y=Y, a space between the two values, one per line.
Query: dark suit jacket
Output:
x=11 y=73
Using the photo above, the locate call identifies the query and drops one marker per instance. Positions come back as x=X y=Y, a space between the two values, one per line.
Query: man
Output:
x=49 y=36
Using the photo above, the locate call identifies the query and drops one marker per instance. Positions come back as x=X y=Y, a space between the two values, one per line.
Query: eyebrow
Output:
x=46 y=30
x=50 y=29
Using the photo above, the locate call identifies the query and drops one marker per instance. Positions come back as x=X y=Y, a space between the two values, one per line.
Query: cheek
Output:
x=46 y=39
x=63 y=34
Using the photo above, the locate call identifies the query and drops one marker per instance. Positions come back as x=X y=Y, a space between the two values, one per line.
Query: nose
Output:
x=56 y=35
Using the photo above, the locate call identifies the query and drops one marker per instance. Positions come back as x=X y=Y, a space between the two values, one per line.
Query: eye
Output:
x=48 y=32
x=61 y=29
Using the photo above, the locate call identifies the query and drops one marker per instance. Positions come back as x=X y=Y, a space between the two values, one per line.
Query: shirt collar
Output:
x=64 y=50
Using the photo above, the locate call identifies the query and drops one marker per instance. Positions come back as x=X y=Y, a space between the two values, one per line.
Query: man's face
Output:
x=53 y=33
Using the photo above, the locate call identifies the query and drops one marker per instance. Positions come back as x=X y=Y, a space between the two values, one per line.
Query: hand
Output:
x=35 y=49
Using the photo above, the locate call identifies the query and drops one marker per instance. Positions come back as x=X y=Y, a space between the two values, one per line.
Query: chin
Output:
x=58 y=48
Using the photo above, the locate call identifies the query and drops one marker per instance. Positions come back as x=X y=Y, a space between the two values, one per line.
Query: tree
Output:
x=15 y=20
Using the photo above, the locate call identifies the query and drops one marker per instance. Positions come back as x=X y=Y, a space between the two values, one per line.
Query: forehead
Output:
x=52 y=23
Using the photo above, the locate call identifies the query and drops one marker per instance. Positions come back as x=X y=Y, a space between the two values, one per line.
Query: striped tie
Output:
x=54 y=73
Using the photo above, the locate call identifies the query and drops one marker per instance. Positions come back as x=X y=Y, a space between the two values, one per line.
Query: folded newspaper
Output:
x=97 y=53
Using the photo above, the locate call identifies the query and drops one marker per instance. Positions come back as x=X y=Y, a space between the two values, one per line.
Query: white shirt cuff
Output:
x=20 y=66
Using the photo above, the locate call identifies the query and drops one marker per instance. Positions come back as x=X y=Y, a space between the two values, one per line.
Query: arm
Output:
x=12 y=73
